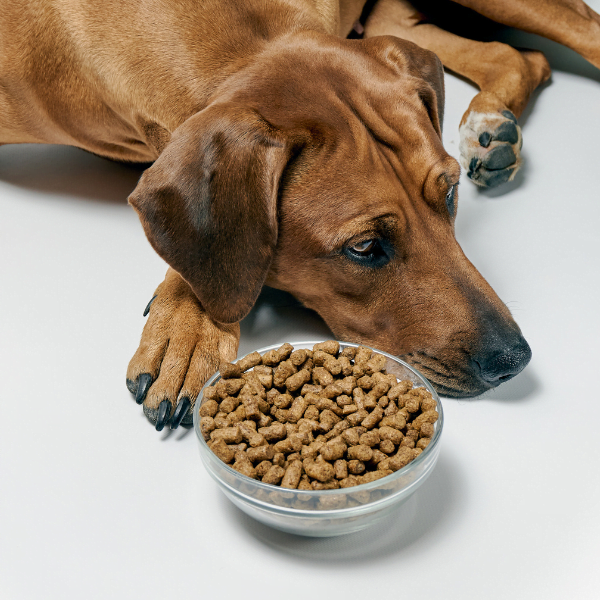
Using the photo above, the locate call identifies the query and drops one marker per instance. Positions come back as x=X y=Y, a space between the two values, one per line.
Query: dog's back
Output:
x=116 y=77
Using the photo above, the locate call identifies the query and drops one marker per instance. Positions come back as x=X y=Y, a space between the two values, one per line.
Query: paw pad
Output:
x=490 y=145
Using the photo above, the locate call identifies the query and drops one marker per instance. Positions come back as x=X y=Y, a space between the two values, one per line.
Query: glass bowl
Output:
x=328 y=512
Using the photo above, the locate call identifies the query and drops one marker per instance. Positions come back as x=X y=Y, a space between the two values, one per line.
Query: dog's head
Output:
x=319 y=170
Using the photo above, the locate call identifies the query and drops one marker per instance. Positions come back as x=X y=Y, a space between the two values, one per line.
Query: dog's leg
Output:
x=490 y=136
x=181 y=347
x=571 y=23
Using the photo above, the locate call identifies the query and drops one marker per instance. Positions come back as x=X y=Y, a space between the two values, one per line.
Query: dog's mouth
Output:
x=462 y=370
x=450 y=380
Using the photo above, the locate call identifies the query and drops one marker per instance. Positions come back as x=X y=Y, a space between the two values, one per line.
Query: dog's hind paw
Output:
x=181 y=347
x=490 y=147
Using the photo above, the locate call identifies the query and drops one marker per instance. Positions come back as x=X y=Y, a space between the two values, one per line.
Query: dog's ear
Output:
x=208 y=205
x=406 y=57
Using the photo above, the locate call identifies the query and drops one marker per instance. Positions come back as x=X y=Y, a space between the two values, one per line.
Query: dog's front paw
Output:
x=490 y=147
x=181 y=347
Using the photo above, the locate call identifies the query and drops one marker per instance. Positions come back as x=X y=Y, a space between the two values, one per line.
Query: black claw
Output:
x=485 y=138
x=164 y=410
x=473 y=166
x=509 y=115
x=180 y=412
x=499 y=157
x=144 y=382
x=147 y=309
x=507 y=132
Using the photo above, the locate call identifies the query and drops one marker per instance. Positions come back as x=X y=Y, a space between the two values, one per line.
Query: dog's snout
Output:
x=496 y=364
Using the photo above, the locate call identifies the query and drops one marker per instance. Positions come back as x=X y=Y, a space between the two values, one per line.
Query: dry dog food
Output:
x=316 y=419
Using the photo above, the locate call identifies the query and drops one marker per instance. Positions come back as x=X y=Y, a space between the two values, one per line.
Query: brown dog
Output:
x=288 y=155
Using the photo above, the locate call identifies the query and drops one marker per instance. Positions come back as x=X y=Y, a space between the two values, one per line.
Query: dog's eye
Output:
x=450 y=204
x=371 y=253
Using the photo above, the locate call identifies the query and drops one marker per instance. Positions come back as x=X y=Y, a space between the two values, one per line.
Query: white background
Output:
x=94 y=503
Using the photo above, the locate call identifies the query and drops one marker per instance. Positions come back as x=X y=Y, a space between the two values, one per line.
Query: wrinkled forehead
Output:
x=376 y=156
x=396 y=127
x=343 y=88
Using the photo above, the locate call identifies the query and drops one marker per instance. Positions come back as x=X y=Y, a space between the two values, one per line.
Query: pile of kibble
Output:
x=315 y=419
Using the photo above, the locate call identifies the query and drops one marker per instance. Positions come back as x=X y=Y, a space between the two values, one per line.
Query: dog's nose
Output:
x=498 y=364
